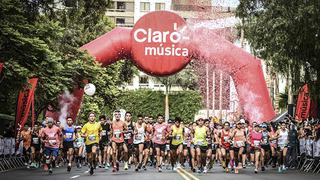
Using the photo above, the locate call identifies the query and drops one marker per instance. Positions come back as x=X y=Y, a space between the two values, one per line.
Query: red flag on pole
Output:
x=303 y=103
x=1 y=66
x=24 y=103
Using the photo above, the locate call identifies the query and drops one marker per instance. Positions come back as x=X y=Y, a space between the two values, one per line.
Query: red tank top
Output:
x=117 y=129
x=225 y=137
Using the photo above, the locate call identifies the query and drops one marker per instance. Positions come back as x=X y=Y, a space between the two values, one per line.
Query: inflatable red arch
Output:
x=161 y=43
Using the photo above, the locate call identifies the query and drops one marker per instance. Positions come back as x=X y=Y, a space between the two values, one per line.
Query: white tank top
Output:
x=283 y=138
x=139 y=138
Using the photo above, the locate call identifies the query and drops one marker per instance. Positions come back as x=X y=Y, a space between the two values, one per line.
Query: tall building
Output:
x=121 y=12
x=142 y=7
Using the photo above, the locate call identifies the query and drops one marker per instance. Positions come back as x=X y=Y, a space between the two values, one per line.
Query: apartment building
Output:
x=121 y=12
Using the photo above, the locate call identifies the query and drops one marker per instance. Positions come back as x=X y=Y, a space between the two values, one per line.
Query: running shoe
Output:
x=263 y=168
x=114 y=169
x=45 y=167
x=256 y=171
x=205 y=169
x=117 y=166
x=125 y=166
x=279 y=170
x=236 y=171
x=91 y=170
x=69 y=168
x=106 y=167
x=160 y=169
x=144 y=168
x=50 y=171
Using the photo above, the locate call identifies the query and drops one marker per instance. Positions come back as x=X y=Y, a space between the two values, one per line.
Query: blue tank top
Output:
x=68 y=133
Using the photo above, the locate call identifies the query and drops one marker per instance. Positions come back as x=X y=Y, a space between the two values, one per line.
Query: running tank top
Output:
x=177 y=134
x=283 y=138
x=225 y=139
x=128 y=136
x=160 y=131
x=265 y=138
x=68 y=133
x=139 y=137
x=117 y=128
x=200 y=136
x=239 y=138
x=256 y=138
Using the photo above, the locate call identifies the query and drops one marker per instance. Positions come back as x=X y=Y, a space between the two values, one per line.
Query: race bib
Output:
x=79 y=144
x=69 y=135
x=103 y=132
x=117 y=134
x=177 y=137
x=199 y=143
x=52 y=142
x=92 y=137
x=35 y=140
x=240 y=143
x=127 y=136
x=138 y=137
x=226 y=138
x=256 y=143
x=158 y=136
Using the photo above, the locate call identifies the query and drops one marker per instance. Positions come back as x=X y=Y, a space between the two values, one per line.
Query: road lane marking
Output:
x=76 y=176
x=183 y=175
x=189 y=174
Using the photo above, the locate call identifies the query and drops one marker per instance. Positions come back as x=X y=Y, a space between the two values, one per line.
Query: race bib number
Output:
x=240 y=143
x=199 y=143
x=177 y=137
x=92 y=137
x=159 y=136
x=79 y=144
x=35 y=140
x=127 y=136
x=256 y=143
x=69 y=135
x=282 y=146
x=138 y=137
x=52 y=142
x=103 y=133
x=117 y=134
x=226 y=138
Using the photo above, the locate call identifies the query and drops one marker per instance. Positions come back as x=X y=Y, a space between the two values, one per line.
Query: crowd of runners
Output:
x=141 y=143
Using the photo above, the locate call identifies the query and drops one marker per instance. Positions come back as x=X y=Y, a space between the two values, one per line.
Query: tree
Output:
x=286 y=35
x=186 y=79
x=42 y=39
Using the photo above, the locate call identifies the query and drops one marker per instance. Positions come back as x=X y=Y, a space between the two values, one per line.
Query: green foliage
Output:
x=285 y=34
x=42 y=39
x=184 y=104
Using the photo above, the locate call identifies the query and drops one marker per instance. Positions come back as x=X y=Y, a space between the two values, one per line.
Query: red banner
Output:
x=25 y=99
x=1 y=66
x=303 y=104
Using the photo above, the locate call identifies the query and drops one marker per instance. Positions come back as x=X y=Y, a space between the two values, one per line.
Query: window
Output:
x=143 y=80
x=160 y=6
x=120 y=21
x=121 y=5
x=144 y=6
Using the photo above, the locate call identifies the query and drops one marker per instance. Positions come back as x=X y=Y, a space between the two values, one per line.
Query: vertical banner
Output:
x=32 y=111
x=24 y=103
x=303 y=104
x=1 y=66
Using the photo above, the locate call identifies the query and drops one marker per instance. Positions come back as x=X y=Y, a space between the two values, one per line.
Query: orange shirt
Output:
x=26 y=137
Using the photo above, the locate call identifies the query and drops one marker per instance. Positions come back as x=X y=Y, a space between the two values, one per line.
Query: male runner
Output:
x=91 y=131
x=68 y=140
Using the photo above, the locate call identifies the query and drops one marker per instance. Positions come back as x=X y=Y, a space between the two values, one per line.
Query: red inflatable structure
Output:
x=165 y=46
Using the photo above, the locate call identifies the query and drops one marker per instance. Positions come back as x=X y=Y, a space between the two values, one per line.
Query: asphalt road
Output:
x=100 y=174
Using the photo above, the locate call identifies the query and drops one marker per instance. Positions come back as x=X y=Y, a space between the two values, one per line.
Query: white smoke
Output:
x=66 y=100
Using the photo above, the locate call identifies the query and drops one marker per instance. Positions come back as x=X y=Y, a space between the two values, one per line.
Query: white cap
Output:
x=242 y=121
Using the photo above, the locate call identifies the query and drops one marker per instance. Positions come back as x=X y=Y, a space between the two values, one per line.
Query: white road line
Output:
x=76 y=176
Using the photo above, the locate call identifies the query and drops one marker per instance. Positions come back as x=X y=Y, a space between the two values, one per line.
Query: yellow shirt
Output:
x=177 y=134
x=92 y=131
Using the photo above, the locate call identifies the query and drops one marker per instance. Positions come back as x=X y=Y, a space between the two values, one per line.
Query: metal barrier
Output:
x=9 y=157
x=309 y=159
